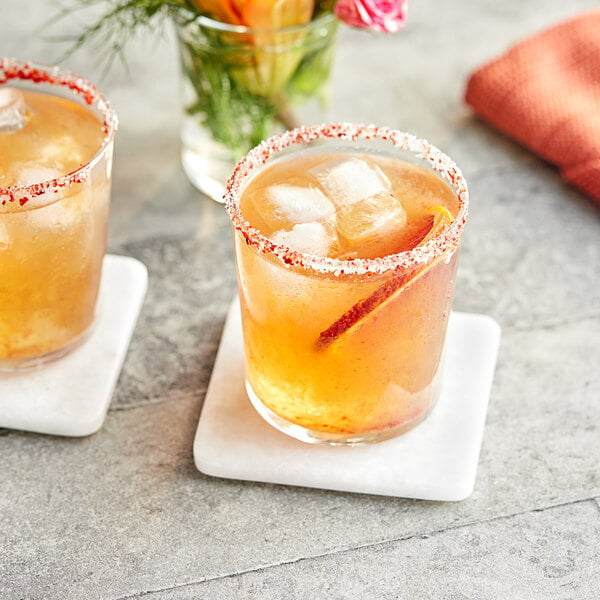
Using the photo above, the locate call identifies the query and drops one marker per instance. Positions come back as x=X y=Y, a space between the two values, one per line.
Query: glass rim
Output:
x=447 y=240
x=243 y=29
x=53 y=75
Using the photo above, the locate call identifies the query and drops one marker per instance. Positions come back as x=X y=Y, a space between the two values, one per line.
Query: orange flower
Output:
x=258 y=14
x=220 y=10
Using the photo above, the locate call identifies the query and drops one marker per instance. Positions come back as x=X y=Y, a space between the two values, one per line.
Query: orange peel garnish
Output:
x=442 y=218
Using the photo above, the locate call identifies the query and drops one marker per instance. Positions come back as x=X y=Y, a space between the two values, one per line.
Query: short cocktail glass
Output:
x=54 y=206
x=341 y=347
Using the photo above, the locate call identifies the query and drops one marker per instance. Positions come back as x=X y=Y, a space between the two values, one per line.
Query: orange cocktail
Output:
x=346 y=244
x=56 y=139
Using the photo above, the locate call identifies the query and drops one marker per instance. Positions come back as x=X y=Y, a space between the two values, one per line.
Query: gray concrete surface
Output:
x=125 y=514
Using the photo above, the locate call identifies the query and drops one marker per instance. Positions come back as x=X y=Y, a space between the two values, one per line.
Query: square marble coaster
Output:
x=71 y=395
x=435 y=461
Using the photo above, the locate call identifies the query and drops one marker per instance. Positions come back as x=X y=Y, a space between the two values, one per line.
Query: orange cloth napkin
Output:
x=545 y=93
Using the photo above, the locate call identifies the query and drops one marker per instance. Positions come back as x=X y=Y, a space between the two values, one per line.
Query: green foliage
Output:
x=119 y=23
x=240 y=90
x=234 y=116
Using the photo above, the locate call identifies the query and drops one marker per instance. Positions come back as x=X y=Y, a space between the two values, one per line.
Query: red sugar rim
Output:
x=15 y=69
x=446 y=241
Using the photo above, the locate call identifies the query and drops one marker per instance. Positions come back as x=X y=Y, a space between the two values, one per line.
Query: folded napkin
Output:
x=545 y=93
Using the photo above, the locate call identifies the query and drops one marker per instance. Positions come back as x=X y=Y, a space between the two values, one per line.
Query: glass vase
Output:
x=241 y=85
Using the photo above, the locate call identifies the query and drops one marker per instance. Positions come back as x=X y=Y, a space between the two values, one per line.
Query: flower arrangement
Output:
x=125 y=16
x=246 y=64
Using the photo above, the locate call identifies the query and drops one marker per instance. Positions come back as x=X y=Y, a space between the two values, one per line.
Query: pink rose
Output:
x=385 y=16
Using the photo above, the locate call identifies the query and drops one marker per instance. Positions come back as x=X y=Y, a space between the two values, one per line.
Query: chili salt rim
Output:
x=445 y=241
x=38 y=73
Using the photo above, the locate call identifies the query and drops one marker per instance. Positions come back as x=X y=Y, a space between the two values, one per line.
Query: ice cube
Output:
x=51 y=216
x=64 y=152
x=63 y=213
x=52 y=209
x=309 y=238
x=372 y=226
x=284 y=205
x=299 y=204
x=13 y=110
x=28 y=173
x=348 y=180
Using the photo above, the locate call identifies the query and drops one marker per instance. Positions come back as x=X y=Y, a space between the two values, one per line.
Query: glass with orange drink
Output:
x=346 y=240
x=56 y=143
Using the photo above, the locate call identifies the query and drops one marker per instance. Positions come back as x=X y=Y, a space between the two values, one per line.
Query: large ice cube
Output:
x=300 y=204
x=49 y=210
x=54 y=215
x=371 y=227
x=64 y=152
x=285 y=205
x=309 y=238
x=348 y=180
x=13 y=110
x=28 y=173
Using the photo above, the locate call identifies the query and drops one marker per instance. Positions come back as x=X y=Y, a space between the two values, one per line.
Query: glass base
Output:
x=29 y=363
x=313 y=436
x=203 y=176
x=206 y=163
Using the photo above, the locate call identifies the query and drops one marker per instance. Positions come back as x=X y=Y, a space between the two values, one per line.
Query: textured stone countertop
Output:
x=125 y=514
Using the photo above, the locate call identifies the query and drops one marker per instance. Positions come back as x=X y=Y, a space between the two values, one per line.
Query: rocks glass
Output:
x=54 y=206
x=345 y=351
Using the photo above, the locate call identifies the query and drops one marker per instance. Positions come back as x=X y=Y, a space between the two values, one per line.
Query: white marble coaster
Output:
x=71 y=395
x=435 y=461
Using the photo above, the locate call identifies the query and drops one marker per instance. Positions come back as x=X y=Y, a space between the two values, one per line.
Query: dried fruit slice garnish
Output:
x=442 y=217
